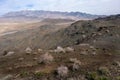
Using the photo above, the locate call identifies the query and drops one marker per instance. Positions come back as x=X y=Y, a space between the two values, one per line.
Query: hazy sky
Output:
x=106 y=7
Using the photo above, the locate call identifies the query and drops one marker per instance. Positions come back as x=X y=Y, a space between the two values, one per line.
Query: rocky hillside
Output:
x=104 y=32
x=84 y=50
x=22 y=35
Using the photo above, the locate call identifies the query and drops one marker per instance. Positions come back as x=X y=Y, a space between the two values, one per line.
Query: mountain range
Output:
x=40 y=14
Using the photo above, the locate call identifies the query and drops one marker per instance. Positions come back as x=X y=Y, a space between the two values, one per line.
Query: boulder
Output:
x=69 y=49
x=59 y=49
x=28 y=50
x=10 y=53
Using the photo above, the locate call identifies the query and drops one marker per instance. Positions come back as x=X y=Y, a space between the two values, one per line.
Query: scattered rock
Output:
x=107 y=31
x=84 y=44
x=40 y=50
x=83 y=52
x=10 y=53
x=76 y=64
x=94 y=41
x=103 y=70
x=86 y=49
x=94 y=53
x=92 y=47
x=94 y=34
x=84 y=36
x=9 y=68
x=35 y=53
x=116 y=63
x=8 y=77
x=75 y=67
x=99 y=34
x=21 y=59
x=74 y=60
x=28 y=50
x=117 y=35
x=35 y=58
x=59 y=50
x=83 y=32
x=69 y=49
x=80 y=77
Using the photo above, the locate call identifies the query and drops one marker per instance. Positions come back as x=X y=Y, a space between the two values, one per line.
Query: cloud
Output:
x=30 y=5
x=88 y=6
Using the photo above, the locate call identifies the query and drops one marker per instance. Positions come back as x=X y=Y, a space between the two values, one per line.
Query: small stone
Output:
x=35 y=58
x=117 y=35
x=35 y=53
x=84 y=36
x=107 y=31
x=10 y=53
x=84 y=44
x=10 y=68
x=69 y=49
x=93 y=53
x=40 y=50
x=83 y=32
x=92 y=47
x=83 y=52
x=99 y=34
x=7 y=77
x=75 y=66
x=59 y=50
x=28 y=50
x=75 y=60
x=94 y=41
x=21 y=59
x=117 y=63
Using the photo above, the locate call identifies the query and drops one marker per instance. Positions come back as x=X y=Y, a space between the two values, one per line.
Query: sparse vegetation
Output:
x=75 y=67
x=75 y=64
x=62 y=71
x=116 y=63
x=95 y=76
x=39 y=74
x=24 y=74
x=118 y=78
x=46 y=58
x=103 y=71
x=92 y=76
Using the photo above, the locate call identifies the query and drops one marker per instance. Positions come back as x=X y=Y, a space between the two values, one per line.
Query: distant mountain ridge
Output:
x=40 y=14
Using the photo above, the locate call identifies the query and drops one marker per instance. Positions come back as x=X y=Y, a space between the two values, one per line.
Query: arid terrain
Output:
x=60 y=49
